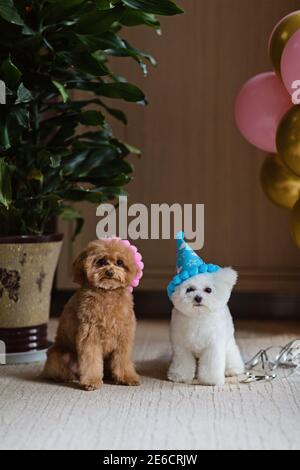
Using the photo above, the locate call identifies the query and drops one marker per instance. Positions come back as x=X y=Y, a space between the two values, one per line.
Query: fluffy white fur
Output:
x=202 y=331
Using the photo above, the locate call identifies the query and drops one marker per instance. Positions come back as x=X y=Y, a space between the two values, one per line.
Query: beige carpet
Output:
x=157 y=415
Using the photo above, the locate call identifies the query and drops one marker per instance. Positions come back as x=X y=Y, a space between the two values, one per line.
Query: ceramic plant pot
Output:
x=27 y=268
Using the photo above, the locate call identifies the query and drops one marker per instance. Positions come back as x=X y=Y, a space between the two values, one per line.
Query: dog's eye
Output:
x=102 y=262
x=190 y=289
x=208 y=290
x=120 y=263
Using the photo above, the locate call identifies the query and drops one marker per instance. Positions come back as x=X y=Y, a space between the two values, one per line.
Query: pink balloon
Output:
x=290 y=63
x=259 y=108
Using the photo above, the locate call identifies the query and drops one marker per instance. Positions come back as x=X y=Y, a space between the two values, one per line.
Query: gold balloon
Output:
x=295 y=223
x=288 y=139
x=280 y=185
x=280 y=36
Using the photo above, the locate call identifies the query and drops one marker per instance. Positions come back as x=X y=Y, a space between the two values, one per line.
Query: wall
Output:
x=192 y=152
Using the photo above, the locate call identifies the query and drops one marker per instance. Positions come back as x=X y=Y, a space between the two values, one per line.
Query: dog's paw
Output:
x=91 y=385
x=177 y=378
x=235 y=371
x=131 y=380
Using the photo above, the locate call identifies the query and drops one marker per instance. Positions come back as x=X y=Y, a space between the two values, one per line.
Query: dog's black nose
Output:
x=198 y=299
x=109 y=273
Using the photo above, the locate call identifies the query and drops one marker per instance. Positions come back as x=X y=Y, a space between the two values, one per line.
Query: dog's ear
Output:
x=78 y=269
x=228 y=276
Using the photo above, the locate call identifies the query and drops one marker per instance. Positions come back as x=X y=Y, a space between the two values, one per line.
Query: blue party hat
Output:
x=188 y=264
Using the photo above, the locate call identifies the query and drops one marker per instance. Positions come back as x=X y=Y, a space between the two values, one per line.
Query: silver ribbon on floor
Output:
x=274 y=362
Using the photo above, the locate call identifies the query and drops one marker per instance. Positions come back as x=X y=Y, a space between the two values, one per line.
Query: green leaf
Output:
x=55 y=161
x=21 y=115
x=69 y=213
x=103 y=4
x=138 y=17
x=104 y=154
x=113 y=45
x=126 y=50
x=36 y=175
x=61 y=9
x=62 y=90
x=98 y=22
x=10 y=74
x=52 y=183
x=89 y=64
x=5 y=184
x=105 y=41
x=65 y=132
x=117 y=113
x=72 y=162
x=43 y=157
x=158 y=7
x=91 y=118
x=23 y=95
x=81 y=194
x=9 y=13
x=96 y=137
x=96 y=195
x=132 y=149
x=27 y=31
x=65 y=3
x=110 y=169
x=124 y=91
x=60 y=119
x=52 y=158
x=4 y=136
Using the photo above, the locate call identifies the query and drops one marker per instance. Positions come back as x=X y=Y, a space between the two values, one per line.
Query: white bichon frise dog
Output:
x=202 y=331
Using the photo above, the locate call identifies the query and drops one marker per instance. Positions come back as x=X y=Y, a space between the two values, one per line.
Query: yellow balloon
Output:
x=295 y=223
x=280 y=185
x=288 y=139
x=280 y=36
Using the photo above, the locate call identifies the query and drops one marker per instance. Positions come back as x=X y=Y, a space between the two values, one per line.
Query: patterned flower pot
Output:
x=27 y=268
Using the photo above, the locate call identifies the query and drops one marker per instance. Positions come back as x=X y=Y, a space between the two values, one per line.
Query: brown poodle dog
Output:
x=98 y=322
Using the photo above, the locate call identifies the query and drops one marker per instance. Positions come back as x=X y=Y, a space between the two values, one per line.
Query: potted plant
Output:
x=49 y=49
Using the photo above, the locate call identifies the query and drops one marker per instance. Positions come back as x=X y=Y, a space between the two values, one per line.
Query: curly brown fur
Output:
x=98 y=322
